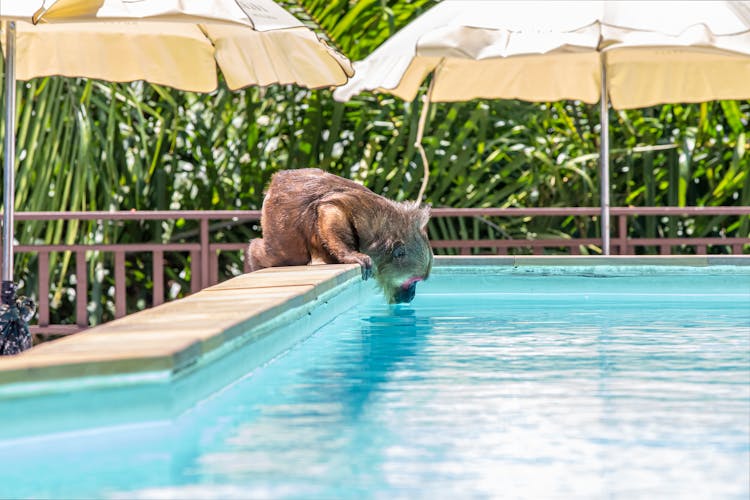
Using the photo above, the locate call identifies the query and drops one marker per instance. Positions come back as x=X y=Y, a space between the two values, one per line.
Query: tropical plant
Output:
x=87 y=145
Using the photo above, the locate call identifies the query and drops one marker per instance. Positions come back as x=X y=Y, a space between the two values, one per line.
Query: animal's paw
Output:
x=366 y=263
x=363 y=260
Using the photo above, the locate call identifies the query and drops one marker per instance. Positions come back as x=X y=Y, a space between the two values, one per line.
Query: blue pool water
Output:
x=537 y=383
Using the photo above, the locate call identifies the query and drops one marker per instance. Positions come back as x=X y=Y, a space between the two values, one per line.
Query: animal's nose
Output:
x=406 y=294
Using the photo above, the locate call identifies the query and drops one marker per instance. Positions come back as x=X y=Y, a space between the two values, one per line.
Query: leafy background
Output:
x=89 y=145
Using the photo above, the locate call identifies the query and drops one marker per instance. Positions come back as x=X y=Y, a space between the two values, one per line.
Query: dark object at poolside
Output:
x=15 y=314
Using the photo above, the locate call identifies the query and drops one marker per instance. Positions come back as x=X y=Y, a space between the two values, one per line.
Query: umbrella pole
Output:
x=8 y=287
x=14 y=313
x=604 y=161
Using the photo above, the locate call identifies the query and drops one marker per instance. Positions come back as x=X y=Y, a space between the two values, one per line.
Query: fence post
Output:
x=82 y=290
x=158 y=277
x=43 y=280
x=195 y=271
x=622 y=233
x=120 y=288
x=213 y=269
x=204 y=254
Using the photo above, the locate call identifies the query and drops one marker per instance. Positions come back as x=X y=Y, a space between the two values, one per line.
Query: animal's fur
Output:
x=310 y=216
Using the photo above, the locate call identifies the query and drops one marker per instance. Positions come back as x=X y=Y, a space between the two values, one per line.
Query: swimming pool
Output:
x=505 y=381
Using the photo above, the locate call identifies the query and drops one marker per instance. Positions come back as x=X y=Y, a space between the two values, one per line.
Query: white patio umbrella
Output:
x=178 y=43
x=632 y=54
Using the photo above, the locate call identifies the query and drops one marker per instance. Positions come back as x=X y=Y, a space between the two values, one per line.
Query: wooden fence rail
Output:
x=204 y=254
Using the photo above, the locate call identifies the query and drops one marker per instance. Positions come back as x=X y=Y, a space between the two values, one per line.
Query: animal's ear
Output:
x=423 y=217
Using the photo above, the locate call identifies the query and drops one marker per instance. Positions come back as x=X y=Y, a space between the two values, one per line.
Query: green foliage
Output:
x=86 y=145
x=358 y=27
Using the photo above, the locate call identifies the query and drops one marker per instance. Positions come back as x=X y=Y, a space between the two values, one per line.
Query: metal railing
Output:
x=204 y=254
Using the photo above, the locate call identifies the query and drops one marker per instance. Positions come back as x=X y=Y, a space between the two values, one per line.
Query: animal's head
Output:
x=403 y=257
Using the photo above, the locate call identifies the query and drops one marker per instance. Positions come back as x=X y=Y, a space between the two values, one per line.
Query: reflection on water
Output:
x=316 y=419
x=450 y=397
x=383 y=342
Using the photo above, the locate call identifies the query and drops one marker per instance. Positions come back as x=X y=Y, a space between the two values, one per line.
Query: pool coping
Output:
x=170 y=338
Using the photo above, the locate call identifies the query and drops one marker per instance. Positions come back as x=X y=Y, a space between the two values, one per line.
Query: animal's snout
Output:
x=406 y=294
x=407 y=291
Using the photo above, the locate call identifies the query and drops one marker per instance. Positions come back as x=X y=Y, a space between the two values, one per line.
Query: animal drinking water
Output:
x=313 y=217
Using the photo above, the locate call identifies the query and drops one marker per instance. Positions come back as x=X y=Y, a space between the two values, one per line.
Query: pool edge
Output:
x=162 y=342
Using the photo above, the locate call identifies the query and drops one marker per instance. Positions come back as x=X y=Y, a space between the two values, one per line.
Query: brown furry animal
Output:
x=310 y=216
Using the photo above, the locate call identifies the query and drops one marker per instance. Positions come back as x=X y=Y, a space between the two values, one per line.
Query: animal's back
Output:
x=309 y=185
x=290 y=213
x=293 y=196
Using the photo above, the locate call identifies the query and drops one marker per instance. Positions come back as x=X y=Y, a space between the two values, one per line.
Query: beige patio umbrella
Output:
x=632 y=54
x=178 y=43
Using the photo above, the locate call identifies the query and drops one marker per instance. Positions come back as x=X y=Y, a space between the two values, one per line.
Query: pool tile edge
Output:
x=593 y=260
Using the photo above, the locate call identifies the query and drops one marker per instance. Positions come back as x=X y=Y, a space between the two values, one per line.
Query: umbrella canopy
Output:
x=660 y=52
x=489 y=49
x=653 y=52
x=634 y=54
x=176 y=43
x=179 y=43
